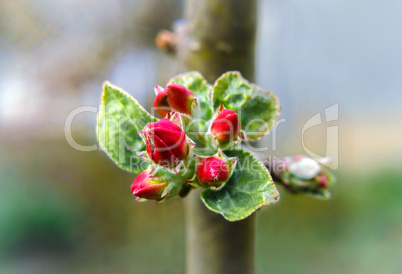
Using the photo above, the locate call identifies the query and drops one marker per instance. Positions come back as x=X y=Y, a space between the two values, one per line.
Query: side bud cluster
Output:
x=175 y=98
x=303 y=174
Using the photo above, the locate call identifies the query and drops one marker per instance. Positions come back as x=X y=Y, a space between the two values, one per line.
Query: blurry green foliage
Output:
x=35 y=214
x=357 y=231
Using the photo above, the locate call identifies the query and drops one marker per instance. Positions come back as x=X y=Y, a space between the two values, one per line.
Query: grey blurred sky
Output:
x=322 y=52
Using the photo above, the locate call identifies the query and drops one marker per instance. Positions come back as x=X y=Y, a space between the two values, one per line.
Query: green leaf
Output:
x=249 y=188
x=257 y=108
x=231 y=90
x=120 y=117
x=195 y=82
x=259 y=114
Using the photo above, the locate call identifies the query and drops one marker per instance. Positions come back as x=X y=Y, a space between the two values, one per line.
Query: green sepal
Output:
x=231 y=162
x=256 y=107
x=249 y=188
x=177 y=182
x=120 y=118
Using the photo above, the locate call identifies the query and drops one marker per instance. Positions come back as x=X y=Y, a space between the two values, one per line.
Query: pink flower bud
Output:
x=212 y=171
x=322 y=179
x=147 y=187
x=174 y=98
x=166 y=142
x=226 y=126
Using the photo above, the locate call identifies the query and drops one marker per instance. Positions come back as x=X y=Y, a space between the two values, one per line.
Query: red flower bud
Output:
x=166 y=142
x=213 y=171
x=174 y=98
x=226 y=126
x=160 y=104
x=147 y=187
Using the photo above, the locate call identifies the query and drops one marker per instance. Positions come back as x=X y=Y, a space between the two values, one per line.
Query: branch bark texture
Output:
x=217 y=36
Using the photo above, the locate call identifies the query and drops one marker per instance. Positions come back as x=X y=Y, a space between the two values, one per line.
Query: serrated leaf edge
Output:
x=278 y=113
x=238 y=73
x=254 y=209
x=102 y=106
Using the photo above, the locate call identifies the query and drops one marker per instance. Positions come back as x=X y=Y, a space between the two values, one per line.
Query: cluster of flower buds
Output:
x=175 y=98
x=196 y=144
x=303 y=174
x=168 y=146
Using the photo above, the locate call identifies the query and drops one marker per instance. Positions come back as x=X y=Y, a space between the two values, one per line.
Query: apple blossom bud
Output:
x=212 y=172
x=166 y=143
x=226 y=126
x=146 y=186
x=302 y=174
x=304 y=167
x=174 y=98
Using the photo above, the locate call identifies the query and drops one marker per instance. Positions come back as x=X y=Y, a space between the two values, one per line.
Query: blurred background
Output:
x=70 y=211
